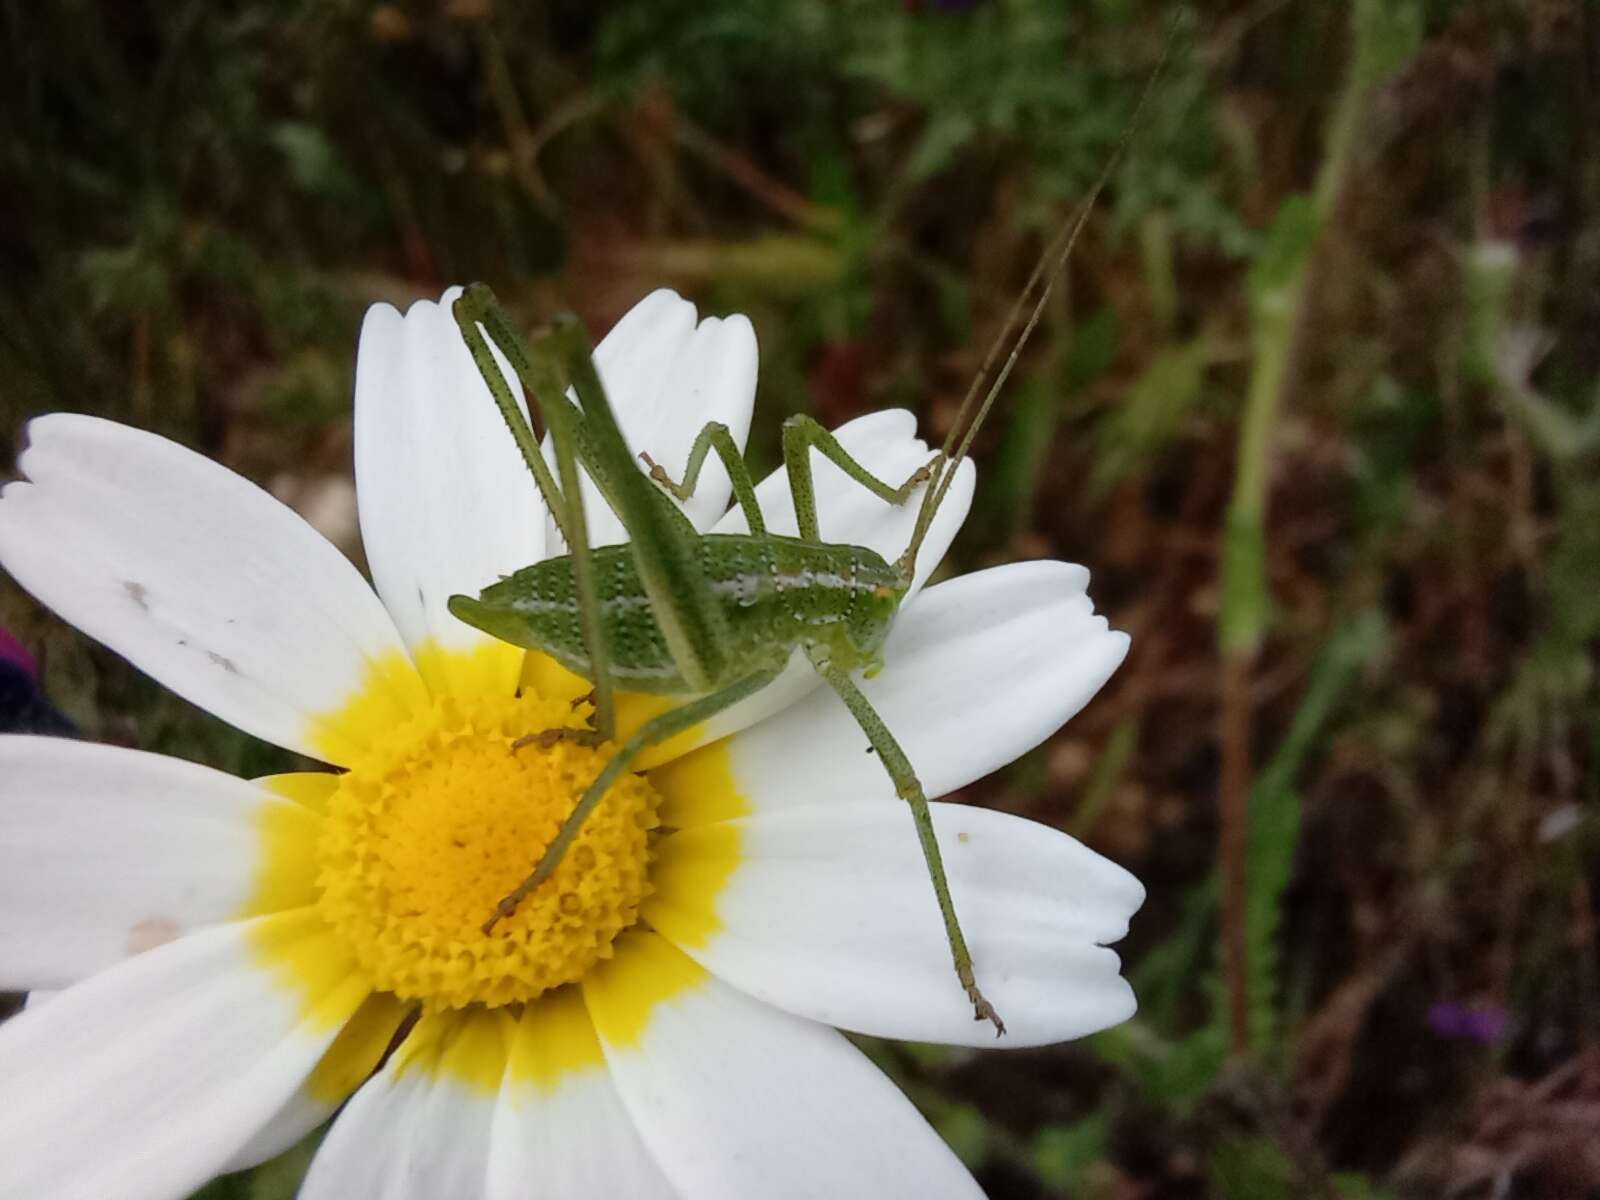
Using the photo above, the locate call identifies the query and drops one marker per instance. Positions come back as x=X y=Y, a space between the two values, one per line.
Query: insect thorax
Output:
x=778 y=593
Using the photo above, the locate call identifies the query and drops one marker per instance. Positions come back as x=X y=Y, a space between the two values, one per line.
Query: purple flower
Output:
x=13 y=651
x=1482 y=1023
x=23 y=707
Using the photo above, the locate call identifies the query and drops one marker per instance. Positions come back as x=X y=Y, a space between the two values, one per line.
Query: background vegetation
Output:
x=1317 y=403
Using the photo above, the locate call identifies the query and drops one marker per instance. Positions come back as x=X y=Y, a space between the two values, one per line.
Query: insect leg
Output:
x=543 y=369
x=668 y=724
x=476 y=306
x=665 y=546
x=714 y=436
x=909 y=789
x=800 y=434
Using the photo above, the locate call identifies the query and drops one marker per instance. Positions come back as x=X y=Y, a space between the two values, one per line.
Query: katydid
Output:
x=710 y=617
x=677 y=612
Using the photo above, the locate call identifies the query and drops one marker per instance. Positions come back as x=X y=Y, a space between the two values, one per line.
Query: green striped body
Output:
x=777 y=593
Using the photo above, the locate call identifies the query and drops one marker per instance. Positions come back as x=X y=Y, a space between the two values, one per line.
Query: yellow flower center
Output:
x=440 y=819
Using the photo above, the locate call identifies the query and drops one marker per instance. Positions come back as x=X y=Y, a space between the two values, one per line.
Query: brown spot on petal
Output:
x=223 y=661
x=150 y=933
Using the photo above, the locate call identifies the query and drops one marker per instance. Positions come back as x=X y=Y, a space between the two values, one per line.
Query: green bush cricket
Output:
x=713 y=618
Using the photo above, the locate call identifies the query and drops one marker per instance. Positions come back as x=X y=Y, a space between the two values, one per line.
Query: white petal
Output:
x=666 y=377
x=884 y=443
x=415 y=1131
x=300 y=1114
x=196 y=576
x=106 y=852
x=560 y=1129
x=978 y=671
x=482 y=1104
x=362 y=1044
x=736 y=1099
x=829 y=913
x=143 y=1080
x=447 y=504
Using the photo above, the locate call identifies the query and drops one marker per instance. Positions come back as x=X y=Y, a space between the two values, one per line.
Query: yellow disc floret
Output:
x=440 y=819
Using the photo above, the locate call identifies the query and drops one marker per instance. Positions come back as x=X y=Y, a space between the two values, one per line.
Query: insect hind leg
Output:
x=909 y=788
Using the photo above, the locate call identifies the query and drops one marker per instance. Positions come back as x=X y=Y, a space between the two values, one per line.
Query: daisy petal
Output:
x=978 y=671
x=828 y=912
x=361 y=1045
x=419 y=1129
x=737 y=1099
x=446 y=503
x=300 y=1114
x=886 y=444
x=106 y=852
x=666 y=377
x=143 y=1080
x=197 y=577
x=483 y=1104
x=560 y=1121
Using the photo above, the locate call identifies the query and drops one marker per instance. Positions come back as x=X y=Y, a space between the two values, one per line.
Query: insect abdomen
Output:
x=777 y=593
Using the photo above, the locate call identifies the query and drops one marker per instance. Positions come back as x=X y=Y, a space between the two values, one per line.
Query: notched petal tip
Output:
x=1122 y=640
x=383 y=319
x=661 y=296
x=425 y=308
x=50 y=427
x=1127 y=896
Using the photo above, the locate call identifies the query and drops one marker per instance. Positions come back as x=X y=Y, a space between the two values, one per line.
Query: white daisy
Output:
x=238 y=956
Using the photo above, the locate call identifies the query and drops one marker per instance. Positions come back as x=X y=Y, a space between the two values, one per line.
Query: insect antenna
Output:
x=1051 y=262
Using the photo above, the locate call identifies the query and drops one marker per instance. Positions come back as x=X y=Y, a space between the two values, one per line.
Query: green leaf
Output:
x=1043 y=398
x=1273 y=833
x=1245 y=602
x=1488 y=274
x=1151 y=415
x=1093 y=346
x=315 y=165
x=1283 y=255
x=964 y=1129
x=1251 y=1169
x=1353 y=1185
x=1174 y=1073
x=1063 y=1153
x=1387 y=33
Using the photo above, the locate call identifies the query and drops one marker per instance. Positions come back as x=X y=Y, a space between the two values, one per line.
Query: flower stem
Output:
x=1278 y=289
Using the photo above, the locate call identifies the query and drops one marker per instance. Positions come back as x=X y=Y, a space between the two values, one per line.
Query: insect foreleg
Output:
x=800 y=434
x=478 y=305
x=553 y=350
x=667 y=725
x=715 y=436
x=543 y=369
x=665 y=546
x=909 y=789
